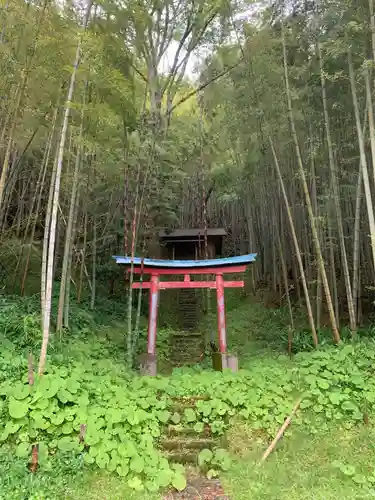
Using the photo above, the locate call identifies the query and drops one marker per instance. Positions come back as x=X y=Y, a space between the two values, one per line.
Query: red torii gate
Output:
x=157 y=268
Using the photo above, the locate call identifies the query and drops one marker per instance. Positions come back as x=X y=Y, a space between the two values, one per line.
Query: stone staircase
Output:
x=181 y=443
x=188 y=312
x=187 y=344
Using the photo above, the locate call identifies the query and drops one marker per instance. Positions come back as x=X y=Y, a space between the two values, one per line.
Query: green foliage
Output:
x=211 y=462
x=350 y=471
x=126 y=415
x=339 y=383
x=86 y=383
x=19 y=320
x=122 y=421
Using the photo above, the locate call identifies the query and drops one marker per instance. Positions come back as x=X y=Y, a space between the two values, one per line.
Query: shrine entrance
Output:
x=157 y=268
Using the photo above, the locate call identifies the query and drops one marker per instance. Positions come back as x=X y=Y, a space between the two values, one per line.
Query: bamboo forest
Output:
x=187 y=249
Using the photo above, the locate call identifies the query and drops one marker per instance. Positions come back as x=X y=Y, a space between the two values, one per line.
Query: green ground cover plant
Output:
x=87 y=390
x=124 y=416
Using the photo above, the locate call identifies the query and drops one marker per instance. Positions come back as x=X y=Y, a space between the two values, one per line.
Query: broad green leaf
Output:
x=164 y=477
x=42 y=450
x=178 y=468
x=127 y=449
x=176 y=418
x=136 y=484
x=54 y=386
x=152 y=485
x=212 y=473
x=57 y=419
x=18 y=409
x=20 y=391
x=306 y=403
x=137 y=464
x=190 y=415
x=114 y=416
x=111 y=467
x=67 y=428
x=199 y=427
x=89 y=459
x=11 y=427
x=335 y=397
x=102 y=460
x=349 y=406
x=122 y=470
x=163 y=416
x=67 y=444
x=178 y=481
x=348 y=470
x=204 y=457
x=322 y=383
x=23 y=450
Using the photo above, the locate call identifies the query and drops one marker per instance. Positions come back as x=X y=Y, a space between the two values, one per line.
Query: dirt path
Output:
x=199 y=488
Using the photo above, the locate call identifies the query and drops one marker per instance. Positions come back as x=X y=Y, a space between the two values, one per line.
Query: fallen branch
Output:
x=280 y=432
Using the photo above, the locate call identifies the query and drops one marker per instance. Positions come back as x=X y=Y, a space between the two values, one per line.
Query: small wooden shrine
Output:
x=190 y=243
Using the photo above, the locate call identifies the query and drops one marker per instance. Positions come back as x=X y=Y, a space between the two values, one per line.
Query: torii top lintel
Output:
x=209 y=266
x=157 y=268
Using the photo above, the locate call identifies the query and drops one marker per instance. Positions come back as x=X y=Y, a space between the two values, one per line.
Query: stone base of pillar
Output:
x=232 y=362
x=147 y=364
x=221 y=361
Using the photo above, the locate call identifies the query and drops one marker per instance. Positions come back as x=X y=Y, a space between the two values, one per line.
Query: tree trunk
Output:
x=336 y=197
x=296 y=246
x=69 y=230
x=315 y=237
x=39 y=193
x=52 y=238
x=362 y=154
x=93 y=289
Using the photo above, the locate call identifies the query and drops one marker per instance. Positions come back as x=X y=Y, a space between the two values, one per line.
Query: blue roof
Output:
x=229 y=261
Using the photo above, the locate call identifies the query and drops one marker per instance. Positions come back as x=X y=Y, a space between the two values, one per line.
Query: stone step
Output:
x=179 y=404
x=175 y=430
x=189 y=399
x=184 y=351
x=182 y=457
x=184 y=335
x=194 y=342
x=187 y=444
x=181 y=349
x=193 y=356
x=186 y=347
x=185 y=363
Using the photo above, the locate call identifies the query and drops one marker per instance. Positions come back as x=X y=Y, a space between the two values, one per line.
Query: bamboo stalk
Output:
x=315 y=236
x=362 y=151
x=296 y=246
x=336 y=197
x=280 y=432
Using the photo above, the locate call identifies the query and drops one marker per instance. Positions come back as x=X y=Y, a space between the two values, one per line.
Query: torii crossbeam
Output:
x=156 y=268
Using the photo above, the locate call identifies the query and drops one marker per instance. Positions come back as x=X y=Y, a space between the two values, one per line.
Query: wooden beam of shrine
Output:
x=188 y=270
x=164 y=285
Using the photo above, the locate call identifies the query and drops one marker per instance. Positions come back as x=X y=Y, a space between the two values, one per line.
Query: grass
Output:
x=68 y=480
x=302 y=466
